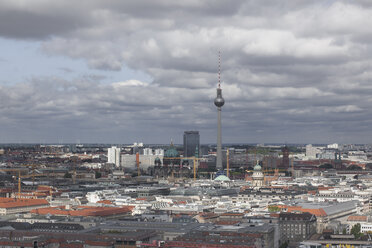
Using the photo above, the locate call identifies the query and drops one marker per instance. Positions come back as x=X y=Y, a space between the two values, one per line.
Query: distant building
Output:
x=113 y=155
x=85 y=211
x=191 y=141
x=312 y=152
x=296 y=227
x=257 y=177
x=14 y=206
x=285 y=160
x=333 y=146
x=147 y=151
x=159 y=152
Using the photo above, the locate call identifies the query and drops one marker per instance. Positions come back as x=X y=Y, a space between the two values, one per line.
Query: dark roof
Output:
x=296 y=216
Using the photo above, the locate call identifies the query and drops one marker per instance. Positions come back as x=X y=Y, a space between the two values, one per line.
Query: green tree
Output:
x=284 y=245
x=98 y=174
x=356 y=231
x=67 y=175
x=273 y=208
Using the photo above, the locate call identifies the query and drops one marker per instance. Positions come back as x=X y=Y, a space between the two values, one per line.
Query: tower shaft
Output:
x=219 y=140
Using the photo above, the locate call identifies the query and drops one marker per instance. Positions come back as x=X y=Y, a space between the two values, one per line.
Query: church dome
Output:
x=222 y=178
x=171 y=156
x=257 y=167
x=171 y=152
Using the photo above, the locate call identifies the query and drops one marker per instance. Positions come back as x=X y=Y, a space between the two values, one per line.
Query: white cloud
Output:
x=285 y=66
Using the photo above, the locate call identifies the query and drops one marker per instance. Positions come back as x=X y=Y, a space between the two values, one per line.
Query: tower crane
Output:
x=195 y=159
x=20 y=177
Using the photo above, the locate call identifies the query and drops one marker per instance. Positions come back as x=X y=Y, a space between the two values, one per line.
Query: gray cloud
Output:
x=297 y=71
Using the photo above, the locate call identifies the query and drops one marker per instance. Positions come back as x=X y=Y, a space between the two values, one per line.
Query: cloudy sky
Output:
x=110 y=71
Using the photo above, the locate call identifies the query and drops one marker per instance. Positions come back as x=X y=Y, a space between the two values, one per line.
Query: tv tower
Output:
x=219 y=102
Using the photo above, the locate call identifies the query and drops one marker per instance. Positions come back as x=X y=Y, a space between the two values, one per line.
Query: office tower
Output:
x=113 y=155
x=191 y=142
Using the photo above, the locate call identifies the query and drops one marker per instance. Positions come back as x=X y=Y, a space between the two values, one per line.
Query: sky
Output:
x=110 y=71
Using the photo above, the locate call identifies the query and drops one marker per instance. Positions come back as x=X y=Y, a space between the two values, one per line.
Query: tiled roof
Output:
x=84 y=211
x=232 y=214
x=357 y=218
x=14 y=203
x=105 y=202
x=317 y=212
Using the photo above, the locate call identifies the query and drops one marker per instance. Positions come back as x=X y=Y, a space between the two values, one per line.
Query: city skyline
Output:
x=120 y=72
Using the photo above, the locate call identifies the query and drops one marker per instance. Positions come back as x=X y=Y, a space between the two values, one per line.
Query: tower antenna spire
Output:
x=219 y=68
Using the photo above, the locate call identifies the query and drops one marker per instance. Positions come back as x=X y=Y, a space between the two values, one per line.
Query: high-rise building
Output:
x=191 y=142
x=113 y=155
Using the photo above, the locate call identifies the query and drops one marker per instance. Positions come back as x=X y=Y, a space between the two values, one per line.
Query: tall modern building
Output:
x=113 y=155
x=191 y=141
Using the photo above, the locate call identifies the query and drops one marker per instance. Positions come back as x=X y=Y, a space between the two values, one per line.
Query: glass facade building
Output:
x=191 y=141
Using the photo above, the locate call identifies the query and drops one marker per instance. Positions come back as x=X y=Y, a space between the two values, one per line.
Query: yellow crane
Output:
x=33 y=171
x=227 y=164
x=21 y=176
x=195 y=159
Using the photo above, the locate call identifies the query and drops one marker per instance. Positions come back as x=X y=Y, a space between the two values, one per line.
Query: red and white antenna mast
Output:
x=219 y=69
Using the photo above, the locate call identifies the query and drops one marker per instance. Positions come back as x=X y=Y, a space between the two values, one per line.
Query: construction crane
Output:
x=138 y=164
x=33 y=171
x=21 y=176
x=195 y=159
x=227 y=164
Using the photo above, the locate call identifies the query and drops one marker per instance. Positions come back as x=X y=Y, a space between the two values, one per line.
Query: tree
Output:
x=273 y=208
x=98 y=174
x=356 y=230
x=284 y=245
x=67 y=175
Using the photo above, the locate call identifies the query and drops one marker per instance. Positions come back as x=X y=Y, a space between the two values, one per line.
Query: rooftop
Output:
x=14 y=203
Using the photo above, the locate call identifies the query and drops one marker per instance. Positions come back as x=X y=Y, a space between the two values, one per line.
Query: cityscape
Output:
x=185 y=124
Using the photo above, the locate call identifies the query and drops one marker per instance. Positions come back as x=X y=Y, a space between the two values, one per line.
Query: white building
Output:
x=128 y=161
x=159 y=152
x=147 y=151
x=257 y=177
x=113 y=155
x=333 y=146
x=312 y=152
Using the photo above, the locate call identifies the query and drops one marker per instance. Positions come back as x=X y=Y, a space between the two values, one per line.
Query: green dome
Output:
x=157 y=160
x=222 y=178
x=171 y=152
x=257 y=167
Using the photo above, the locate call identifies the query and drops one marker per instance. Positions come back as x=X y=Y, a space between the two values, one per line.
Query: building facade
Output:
x=113 y=155
x=296 y=227
x=191 y=141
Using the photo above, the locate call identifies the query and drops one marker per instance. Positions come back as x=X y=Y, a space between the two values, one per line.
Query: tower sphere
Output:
x=219 y=101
